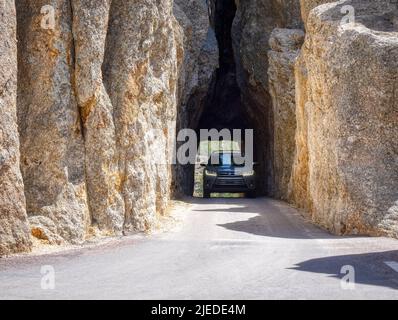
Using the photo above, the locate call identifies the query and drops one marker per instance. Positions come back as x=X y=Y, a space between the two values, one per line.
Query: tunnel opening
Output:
x=223 y=107
x=225 y=104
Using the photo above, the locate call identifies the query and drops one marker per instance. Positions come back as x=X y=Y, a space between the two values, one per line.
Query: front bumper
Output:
x=229 y=183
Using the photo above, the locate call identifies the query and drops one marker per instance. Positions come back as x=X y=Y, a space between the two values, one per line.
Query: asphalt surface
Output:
x=225 y=249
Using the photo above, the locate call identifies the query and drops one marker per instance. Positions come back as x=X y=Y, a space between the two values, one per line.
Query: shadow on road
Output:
x=369 y=268
x=269 y=218
x=280 y=227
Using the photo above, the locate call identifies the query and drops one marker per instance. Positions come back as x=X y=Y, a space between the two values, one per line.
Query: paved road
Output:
x=225 y=249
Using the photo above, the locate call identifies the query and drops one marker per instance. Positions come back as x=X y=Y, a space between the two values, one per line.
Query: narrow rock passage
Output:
x=224 y=249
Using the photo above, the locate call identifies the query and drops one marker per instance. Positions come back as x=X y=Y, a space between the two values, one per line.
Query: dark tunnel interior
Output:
x=224 y=106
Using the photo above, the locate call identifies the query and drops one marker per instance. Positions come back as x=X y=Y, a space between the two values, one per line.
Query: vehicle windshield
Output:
x=226 y=159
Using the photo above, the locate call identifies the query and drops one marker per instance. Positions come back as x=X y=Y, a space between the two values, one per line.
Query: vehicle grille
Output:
x=226 y=174
x=230 y=181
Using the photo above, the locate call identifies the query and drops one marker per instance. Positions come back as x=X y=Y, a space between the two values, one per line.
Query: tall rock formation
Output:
x=103 y=86
x=350 y=105
x=97 y=104
x=254 y=22
x=141 y=70
x=52 y=145
x=14 y=231
x=199 y=55
x=90 y=27
x=285 y=47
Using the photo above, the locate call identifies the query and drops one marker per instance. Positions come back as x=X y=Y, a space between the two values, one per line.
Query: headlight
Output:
x=210 y=173
x=248 y=173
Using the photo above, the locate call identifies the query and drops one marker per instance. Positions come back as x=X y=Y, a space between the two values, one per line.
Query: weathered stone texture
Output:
x=285 y=47
x=253 y=25
x=97 y=93
x=52 y=146
x=198 y=58
x=14 y=231
x=200 y=55
x=299 y=183
x=308 y=5
x=254 y=22
x=141 y=79
x=90 y=26
x=45 y=229
x=352 y=114
x=96 y=96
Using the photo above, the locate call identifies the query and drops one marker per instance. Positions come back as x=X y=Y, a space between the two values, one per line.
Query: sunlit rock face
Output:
x=103 y=178
x=97 y=103
x=141 y=77
x=14 y=231
x=52 y=143
x=96 y=94
x=298 y=189
x=307 y=5
x=285 y=47
x=346 y=101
